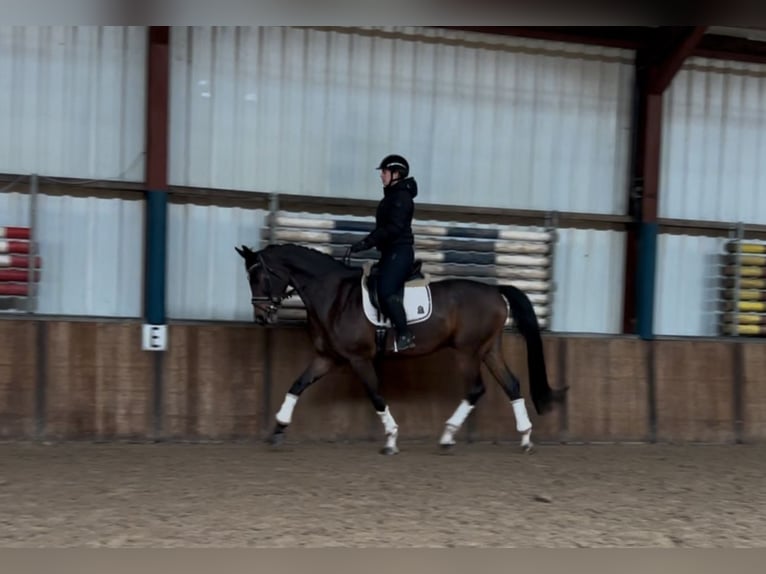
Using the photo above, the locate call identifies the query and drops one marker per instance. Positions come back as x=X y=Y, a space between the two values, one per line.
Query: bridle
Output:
x=274 y=301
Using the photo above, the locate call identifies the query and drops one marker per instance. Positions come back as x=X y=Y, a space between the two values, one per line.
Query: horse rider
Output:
x=393 y=238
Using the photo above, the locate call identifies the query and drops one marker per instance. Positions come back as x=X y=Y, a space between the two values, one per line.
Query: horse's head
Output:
x=268 y=284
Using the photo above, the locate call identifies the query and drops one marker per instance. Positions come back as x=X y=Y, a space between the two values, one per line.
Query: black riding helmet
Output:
x=395 y=162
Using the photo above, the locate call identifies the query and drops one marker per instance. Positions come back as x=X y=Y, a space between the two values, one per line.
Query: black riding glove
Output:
x=362 y=245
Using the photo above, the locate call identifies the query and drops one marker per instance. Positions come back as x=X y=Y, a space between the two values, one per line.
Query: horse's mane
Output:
x=329 y=263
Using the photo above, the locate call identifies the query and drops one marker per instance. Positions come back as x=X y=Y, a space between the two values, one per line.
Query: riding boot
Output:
x=404 y=337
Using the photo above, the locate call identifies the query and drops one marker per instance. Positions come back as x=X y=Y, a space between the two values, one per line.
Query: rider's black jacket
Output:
x=393 y=217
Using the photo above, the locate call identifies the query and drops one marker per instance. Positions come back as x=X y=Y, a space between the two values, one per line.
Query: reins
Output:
x=275 y=301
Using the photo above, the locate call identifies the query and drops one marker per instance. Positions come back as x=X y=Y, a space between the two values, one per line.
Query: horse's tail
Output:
x=526 y=321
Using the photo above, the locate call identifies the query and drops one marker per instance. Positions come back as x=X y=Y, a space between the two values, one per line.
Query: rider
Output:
x=393 y=237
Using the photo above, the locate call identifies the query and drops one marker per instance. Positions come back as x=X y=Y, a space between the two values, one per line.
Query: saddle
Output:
x=416 y=297
x=372 y=275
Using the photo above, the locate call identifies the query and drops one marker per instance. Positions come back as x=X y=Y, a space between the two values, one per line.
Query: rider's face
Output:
x=385 y=177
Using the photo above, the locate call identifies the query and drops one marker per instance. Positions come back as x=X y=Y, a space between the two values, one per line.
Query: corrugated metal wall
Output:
x=72 y=101
x=91 y=249
x=687 y=285
x=713 y=168
x=513 y=123
x=206 y=279
x=714 y=143
x=588 y=271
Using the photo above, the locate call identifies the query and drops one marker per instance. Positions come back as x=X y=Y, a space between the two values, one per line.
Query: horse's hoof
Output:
x=388 y=450
x=276 y=439
x=446 y=448
x=528 y=449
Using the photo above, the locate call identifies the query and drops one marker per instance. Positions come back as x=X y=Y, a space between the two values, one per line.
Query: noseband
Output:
x=275 y=301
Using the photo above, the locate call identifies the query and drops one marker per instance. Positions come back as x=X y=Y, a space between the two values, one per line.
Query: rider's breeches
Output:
x=395 y=267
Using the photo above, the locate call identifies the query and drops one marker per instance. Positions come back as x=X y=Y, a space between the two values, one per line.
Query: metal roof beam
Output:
x=743 y=44
x=725 y=47
x=628 y=37
x=669 y=54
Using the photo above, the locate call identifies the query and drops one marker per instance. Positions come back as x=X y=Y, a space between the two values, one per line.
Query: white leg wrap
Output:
x=455 y=422
x=285 y=414
x=523 y=423
x=388 y=422
x=461 y=413
x=392 y=429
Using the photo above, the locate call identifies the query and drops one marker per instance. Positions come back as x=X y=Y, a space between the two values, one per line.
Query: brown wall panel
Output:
x=214 y=382
x=754 y=390
x=18 y=376
x=71 y=372
x=99 y=384
x=493 y=418
x=608 y=389
x=695 y=390
x=99 y=381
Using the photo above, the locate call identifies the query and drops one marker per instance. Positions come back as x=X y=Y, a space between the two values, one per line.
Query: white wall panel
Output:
x=91 y=250
x=72 y=101
x=687 y=285
x=714 y=143
x=588 y=271
x=206 y=279
x=505 y=122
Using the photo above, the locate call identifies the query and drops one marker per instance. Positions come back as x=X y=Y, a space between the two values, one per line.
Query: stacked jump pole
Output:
x=498 y=255
x=20 y=263
x=744 y=287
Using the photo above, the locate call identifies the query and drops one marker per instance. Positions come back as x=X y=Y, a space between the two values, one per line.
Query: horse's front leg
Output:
x=365 y=370
x=318 y=368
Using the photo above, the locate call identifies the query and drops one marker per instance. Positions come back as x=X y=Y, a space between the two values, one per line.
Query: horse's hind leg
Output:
x=512 y=387
x=469 y=367
x=365 y=370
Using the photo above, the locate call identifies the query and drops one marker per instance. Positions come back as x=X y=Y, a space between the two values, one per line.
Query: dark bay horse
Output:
x=466 y=315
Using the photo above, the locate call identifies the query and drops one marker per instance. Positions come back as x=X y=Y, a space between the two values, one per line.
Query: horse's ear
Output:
x=244 y=251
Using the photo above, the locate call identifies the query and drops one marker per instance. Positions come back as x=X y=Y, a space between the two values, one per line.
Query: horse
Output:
x=465 y=315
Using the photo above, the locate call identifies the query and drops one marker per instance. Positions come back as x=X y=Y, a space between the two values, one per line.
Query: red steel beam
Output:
x=656 y=65
x=156 y=184
x=651 y=140
x=663 y=72
x=158 y=89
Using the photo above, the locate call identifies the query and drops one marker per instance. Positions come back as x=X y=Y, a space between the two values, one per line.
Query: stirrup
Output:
x=408 y=341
